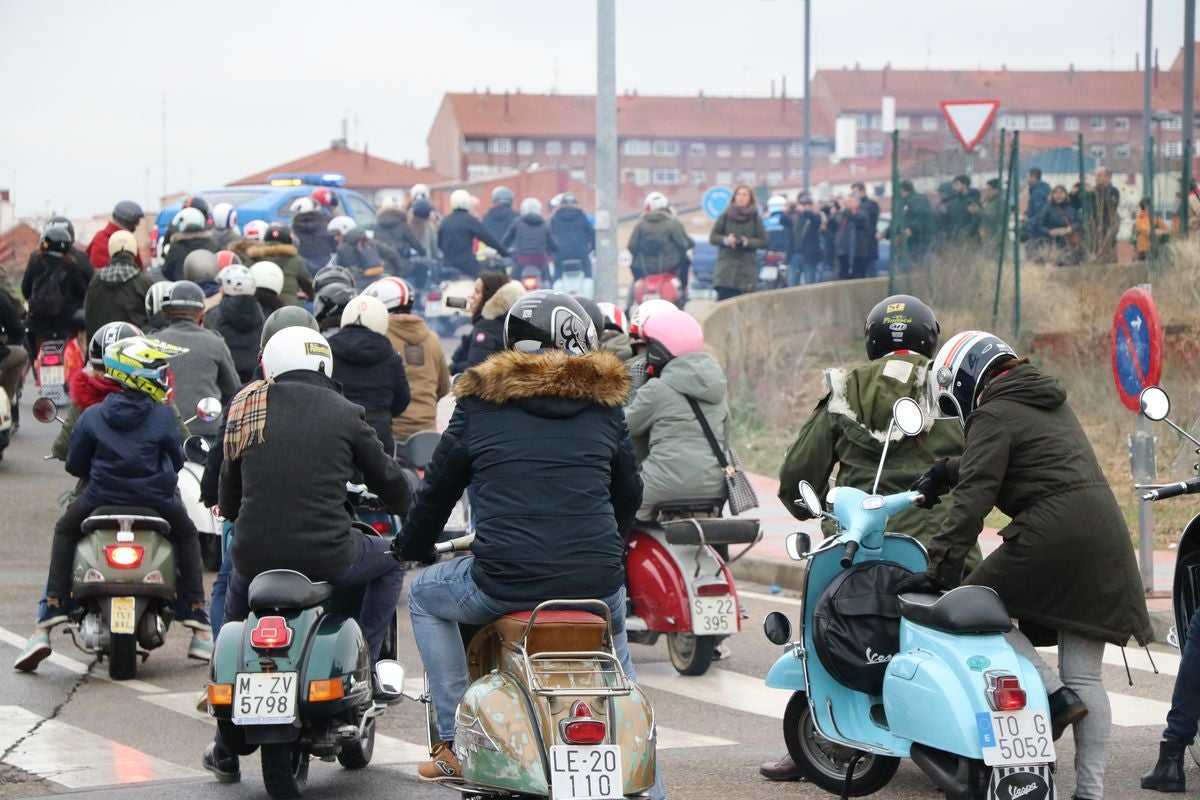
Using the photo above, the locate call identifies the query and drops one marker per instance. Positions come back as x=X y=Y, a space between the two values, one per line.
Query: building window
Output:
x=1173 y=124
x=1121 y=123
x=666 y=147
x=500 y=146
x=775 y=151
x=1121 y=151
x=696 y=149
x=903 y=123
x=1041 y=122
x=579 y=174
x=578 y=148
x=929 y=123
x=665 y=177
x=641 y=176
x=775 y=177
x=748 y=176
x=1097 y=151
x=796 y=149
x=795 y=172
x=475 y=171
x=1013 y=122
x=699 y=177
x=475 y=146
x=554 y=147
x=635 y=147
x=874 y=122
x=860 y=121
x=1098 y=123
x=747 y=151
x=524 y=147
x=870 y=149
x=1172 y=149
x=724 y=177
x=724 y=150
x=1071 y=123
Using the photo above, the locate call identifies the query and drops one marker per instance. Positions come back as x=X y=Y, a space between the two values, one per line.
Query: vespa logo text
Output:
x=877 y=658
x=1024 y=790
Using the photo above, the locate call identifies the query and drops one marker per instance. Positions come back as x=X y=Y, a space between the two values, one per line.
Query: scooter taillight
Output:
x=382 y=528
x=712 y=589
x=581 y=727
x=51 y=359
x=271 y=633
x=1005 y=693
x=530 y=283
x=124 y=556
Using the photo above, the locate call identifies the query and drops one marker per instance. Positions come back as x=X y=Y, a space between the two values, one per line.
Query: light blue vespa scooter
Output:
x=953 y=696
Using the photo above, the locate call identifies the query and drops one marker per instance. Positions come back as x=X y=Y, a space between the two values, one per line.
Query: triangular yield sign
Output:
x=970 y=119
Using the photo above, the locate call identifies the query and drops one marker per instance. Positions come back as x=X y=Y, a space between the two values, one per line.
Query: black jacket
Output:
x=287 y=493
x=74 y=288
x=239 y=320
x=391 y=228
x=11 y=330
x=499 y=219
x=456 y=240
x=182 y=244
x=372 y=375
x=806 y=236
x=541 y=439
x=575 y=235
x=313 y=241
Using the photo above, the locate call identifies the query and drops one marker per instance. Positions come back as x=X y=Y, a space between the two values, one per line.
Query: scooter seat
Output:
x=554 y=631
x=967 y=609
x=286 y=588
x=145 y=519
x=712 y=531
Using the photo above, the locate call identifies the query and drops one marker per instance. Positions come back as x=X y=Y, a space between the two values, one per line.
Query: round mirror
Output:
x=195 y=449
x=44 y=409
x=208 y=409
x=812 y=501
x=797 y=545
x=777 y=628
x=908 y=415
x=1155 y=403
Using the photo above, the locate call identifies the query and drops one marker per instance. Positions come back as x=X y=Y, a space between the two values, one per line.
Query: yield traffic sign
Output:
x=969 y=119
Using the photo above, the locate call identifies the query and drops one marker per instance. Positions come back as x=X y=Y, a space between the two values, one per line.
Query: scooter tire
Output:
x=358 y=755
x=812 y=754
x=122 y=656
x=691 y=654
x=284 y=769
x=210 y=551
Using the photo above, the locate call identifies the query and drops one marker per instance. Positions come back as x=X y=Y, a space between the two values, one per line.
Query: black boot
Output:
x=1066 y=708
x=1167 y=775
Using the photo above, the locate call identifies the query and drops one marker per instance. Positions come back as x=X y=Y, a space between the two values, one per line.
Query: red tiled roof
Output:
x=362 y=171
x=1177 y=64
x=566 y=116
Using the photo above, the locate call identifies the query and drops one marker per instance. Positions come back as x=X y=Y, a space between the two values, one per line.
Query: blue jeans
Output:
x=445 y=595
x=220 y=588
x=1184 y=715
x=801 y=271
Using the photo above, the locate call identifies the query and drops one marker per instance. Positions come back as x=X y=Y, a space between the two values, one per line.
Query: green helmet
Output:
x=286 y=317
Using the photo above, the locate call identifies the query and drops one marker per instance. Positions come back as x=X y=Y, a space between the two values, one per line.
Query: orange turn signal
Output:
x=220 y=694
x=321 y=691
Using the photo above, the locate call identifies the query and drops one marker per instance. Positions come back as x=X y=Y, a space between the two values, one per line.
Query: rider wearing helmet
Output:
x=392 y=229
x=1027 y=455
x=207 y=368
x=636 y=365
x=370 y=371
x=494 y=294
x=549 y=383
x=128 y=448
x=291 y=446
x=126 y=216
x=118 y=290
x=54 y=287
x=81 y=258
x=268 y=283
x=500 y=217
x=574 y=233
x=278 y=247
x=225 y=227
x=189 y=232
x=201 y=268
x=327 y=200
x=14 y=358
x=313 y=241
x=529 y=239
x=458 y=232
x=238 y=318
x=156 y=295
x=613 y=336
x=366 y=258
x=424 y=227
x=332 y=298
x=659 y=242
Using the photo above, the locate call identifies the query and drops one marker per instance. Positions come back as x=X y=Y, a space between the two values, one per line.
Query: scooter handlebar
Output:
x=1190 y=486
x=848 y=555
x=455 y=545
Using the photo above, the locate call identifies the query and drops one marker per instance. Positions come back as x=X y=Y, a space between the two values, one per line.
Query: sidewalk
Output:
x=768 y=563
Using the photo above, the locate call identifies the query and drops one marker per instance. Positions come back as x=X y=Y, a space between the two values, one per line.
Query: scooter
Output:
x=195 y=452
x=772 y=273
x=877 y=677
x=679 y=585
x=58 y=359
x=294 y=680
x=446 y=303
x=573 y=280
x=550 y=712
x=7 y=423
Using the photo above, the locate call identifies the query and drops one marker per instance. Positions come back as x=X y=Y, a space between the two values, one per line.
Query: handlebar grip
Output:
x=1190 y=486
x=848 y=556
x=455 y=545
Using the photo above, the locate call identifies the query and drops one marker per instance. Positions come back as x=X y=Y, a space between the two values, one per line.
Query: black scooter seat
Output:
x=286 y=588
x=967 y=609
x=147 y=519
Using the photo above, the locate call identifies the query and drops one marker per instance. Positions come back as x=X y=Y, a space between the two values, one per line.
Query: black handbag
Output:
x=740 y=493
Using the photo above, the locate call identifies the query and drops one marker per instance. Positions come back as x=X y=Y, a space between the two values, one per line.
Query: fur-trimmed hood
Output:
x=267 y=251
x=504 y=299
x=513 y=376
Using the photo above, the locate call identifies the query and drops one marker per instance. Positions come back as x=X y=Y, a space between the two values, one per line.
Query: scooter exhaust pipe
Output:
x=948 y=772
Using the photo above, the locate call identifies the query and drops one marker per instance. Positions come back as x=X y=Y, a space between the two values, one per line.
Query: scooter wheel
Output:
x=825 y=762
x=358 y=755
x=284 y=769
x=122 y=656
x=691 y=654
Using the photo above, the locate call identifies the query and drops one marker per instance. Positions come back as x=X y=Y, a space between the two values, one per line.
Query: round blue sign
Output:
x=716 y=200
x=1136 y=346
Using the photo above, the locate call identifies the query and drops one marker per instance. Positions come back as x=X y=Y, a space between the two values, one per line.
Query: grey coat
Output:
x=205 y=370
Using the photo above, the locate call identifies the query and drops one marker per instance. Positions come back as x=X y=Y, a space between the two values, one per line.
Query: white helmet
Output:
x=122 y=240
x=656 y=201
x=557 y=200
x=646 y=310
x=224 y=216
x=531 y=205
x=368 y=311
x=777 y=204
x=395 y=293
x=395 y=201
x=297 y=348
x=267 y=275
x=188 y=220
x=255 y=229
x=419 y=190
x=342 y=225
x=302 y=205
x=460 y=198
x=236 y=280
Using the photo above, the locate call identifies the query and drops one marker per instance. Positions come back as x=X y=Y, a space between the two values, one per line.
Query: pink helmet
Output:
x=671 y=334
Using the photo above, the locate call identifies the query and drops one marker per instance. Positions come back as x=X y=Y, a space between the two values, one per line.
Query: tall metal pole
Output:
x=807 y=106
x=164 y=144
x=606 y=151
x=1014 y=166
x=1147 y=152
x=1189 y=104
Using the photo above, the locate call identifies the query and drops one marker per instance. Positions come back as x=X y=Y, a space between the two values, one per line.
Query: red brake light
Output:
x=434 y=296
x=271 y=633
x=1005 y=693
x=581 y=728
x=124 y=556
x=381 y=528
x=530 y=283
x=51 y=360
x=712 y=589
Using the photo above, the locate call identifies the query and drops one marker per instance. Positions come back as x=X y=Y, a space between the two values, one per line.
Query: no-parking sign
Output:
x=1137 y=346
x=716 y=200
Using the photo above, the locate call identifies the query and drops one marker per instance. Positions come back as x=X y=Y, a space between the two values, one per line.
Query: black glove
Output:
x=933 y=484
x=919 y=583
x=396 y=550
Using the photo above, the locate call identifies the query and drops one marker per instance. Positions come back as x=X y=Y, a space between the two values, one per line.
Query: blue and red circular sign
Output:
x=1137 y=346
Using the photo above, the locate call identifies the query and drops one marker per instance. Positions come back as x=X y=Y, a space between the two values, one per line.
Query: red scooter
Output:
x=58 y=359
x=680 y=585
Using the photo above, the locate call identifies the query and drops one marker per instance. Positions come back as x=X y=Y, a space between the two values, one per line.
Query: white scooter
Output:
x=195 y=452
x=573 y=280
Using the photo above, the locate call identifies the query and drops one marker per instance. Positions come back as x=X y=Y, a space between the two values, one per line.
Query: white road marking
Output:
x=75 y=758
x=779 y=599
x=77 y=666
x=181 y=703
x=672 y=739
x=397 y=751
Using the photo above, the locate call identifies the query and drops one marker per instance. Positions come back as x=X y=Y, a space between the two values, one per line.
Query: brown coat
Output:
x=428 y=374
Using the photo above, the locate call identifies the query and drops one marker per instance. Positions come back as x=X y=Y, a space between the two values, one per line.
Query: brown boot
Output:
x=782 y=770
x=442 y=765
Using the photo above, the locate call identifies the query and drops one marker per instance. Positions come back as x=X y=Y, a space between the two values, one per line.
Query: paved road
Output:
x=68 y=728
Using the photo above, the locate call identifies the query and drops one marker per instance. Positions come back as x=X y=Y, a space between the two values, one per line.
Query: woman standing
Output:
x=1062 y=227
x=739 y=232
x=495 y=293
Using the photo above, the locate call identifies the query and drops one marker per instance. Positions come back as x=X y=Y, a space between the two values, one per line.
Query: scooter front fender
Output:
x=497 y=739
x=788 y=672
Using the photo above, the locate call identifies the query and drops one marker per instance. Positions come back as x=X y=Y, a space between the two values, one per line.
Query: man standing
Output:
x=1039 y=193
x=871 y=209
x=962 y=224
x=1103 y=220
x=918 y=224
x=805 y=258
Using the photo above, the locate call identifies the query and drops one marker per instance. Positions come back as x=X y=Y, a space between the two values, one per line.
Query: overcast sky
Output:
x=252 y=84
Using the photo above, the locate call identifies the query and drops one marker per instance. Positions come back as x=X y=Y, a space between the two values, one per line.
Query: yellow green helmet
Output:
x=140 y=363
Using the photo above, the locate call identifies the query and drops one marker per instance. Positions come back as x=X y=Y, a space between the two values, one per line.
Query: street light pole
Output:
x=1189 y=105
x=807 y=106
x=1147 y=156
x=606 y=151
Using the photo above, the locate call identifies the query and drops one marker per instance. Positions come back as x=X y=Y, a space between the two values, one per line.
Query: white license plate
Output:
x=264 y=698
x=52 y=376
x=714 y=615
x=122 y=617
x=768 y=274
x=586 y=773
x=1010 y=738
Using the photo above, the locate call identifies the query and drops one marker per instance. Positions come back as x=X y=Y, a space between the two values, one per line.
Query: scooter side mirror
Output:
x=208 y=409
x=195 y=449
x=44 y=410
x=389 y=677
x=810 y=499
x=798 y=545
x=908 y=416
x=777 y=628
x=1155 y=403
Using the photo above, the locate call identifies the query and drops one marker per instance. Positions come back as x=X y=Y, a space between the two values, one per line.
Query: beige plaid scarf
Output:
x=246 y=420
